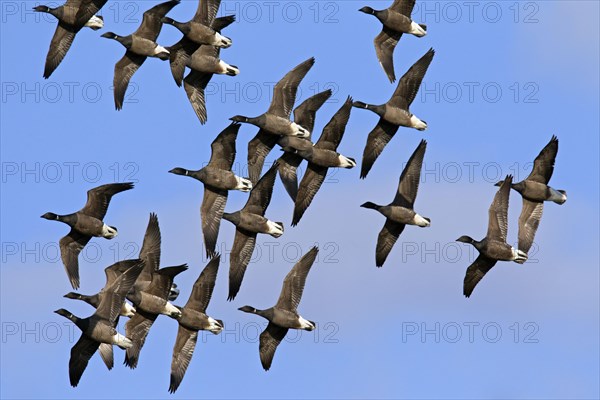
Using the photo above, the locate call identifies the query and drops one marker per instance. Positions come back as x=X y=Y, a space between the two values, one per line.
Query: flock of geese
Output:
x=150 y=289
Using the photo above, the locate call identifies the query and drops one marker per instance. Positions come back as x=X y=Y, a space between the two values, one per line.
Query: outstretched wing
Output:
x=409 y=180
x=476 y=272
x=293 y=284
x=59 y=46
x=269 y=340
x=409 y=84
x=543 y=166
x=378 y=138
x=284 y=94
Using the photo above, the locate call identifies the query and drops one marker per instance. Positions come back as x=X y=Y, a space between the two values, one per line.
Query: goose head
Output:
x=466 y=239
x=239 y=118
x=110 y=35
x=50 y=216
x=179 y=171
x=367 y=10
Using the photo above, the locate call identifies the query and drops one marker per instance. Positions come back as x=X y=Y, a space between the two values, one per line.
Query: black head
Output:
x=73 y=295
x=110 y=35
x=248 y=309
x=45 y=9
x=499 y=183
x=465 y=239
x=179 y=171
x=367 y=10
x=239 y=118
x=65 y=314
x=50 y=216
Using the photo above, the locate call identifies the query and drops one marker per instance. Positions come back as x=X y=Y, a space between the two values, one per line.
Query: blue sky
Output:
x=505 y=78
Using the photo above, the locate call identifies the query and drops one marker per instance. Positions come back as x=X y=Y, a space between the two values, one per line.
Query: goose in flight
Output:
x=535 y=191
x=284 y=315
x=395 y=112
x=493 y=247
x=72 y=16
x=85 y=224
x=396 y=21
x=400 y=212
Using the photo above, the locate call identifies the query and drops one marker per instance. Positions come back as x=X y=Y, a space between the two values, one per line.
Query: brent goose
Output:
x=200 y=28
x=322 y=156
x=535 y=190
x=493 y=247
x=182 y=51
x=204 y=63
x=140 y=45
x=127 y=310
x=400 y=212
x=149 y=304
x=193 y=319
x=304 y=115
x=100 y=326
x=395 y=112
x=284 y=315
x=396 y=21
x=218 y=180
x=150 y=253
x=85 y=224
x=250 y=221
x=72 y=17
x=151 y=293
x=276 y=121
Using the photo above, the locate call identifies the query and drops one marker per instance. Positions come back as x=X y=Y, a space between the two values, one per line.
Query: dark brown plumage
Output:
x=400 y=212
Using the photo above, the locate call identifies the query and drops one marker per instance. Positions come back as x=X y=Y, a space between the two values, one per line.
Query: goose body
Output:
x=254 y=223
x=200 y=33
x=211 y=65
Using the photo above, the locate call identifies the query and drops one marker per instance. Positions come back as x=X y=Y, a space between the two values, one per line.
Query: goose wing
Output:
x=87 y=9
x=288 y=173
x=99 y=198
x=476 y=272
x=334 y=130
x=408 y=185
x=151 y=21
x=81 y=353
x=136 y=329
x=529 y=220
x=195 y=86
x=204 y=286
x=258 y=149
x=150 y=251
x=269 y=340
x=70 y=247
x=404 y=7
x=241 y=253
x=293 y=284
x=385 y=44
x=378 y=138
x=59 y=46
x=182 y=355
x=306 y=112
x=114 y=295
x=409 y=84
x=309 y=186
x=385 y=241
x=284 y=94
x=260 y=196
x=207 y=11
x=124 y=70
x=543 y=166
x=223 y=148
x=498 y=212
x=211 y=211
